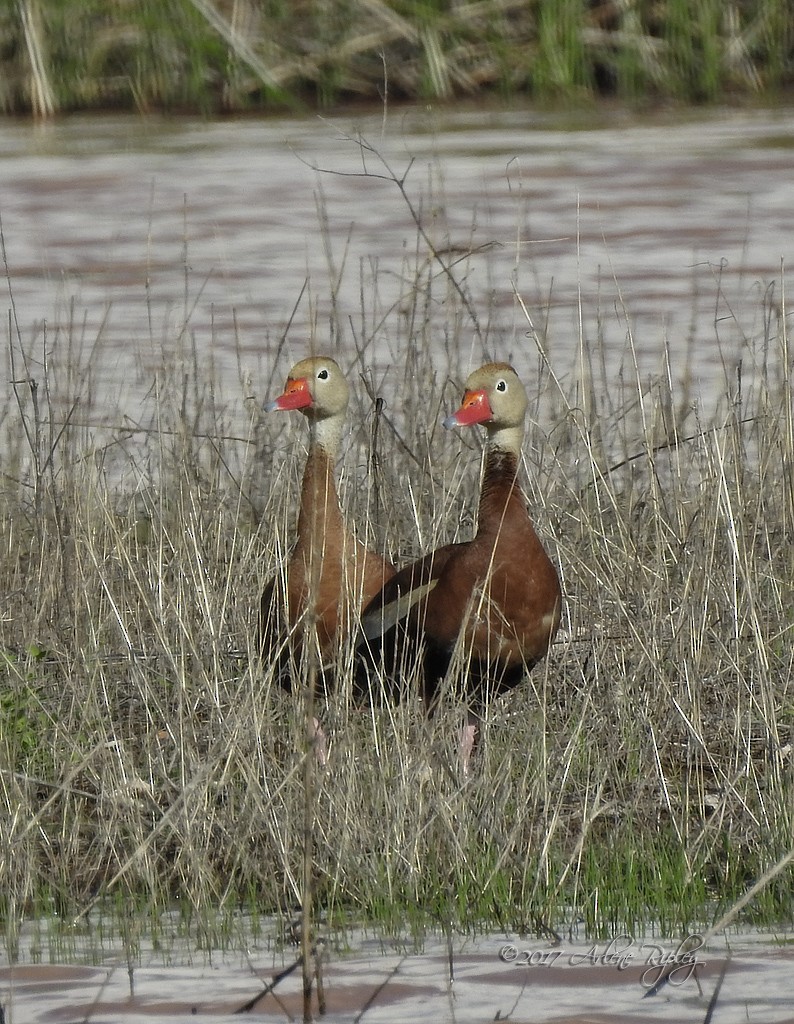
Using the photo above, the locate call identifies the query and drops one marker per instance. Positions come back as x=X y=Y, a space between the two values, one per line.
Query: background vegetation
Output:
x=237 y=55
x=642 y=777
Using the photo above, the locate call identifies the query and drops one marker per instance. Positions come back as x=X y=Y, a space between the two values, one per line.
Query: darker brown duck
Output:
x=490 y=605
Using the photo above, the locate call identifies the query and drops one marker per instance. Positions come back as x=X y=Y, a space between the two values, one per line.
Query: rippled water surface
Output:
x=650 y=237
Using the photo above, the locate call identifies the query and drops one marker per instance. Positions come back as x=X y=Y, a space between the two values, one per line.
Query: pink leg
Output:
x=468 y=741
x=319 y=743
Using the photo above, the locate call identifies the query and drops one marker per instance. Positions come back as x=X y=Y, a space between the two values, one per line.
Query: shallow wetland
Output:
x=161 y=278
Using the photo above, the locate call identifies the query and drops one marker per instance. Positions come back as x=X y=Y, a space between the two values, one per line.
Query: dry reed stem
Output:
x=42 y=96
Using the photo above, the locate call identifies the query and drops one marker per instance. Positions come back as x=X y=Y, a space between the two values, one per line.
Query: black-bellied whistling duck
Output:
x=491 y=603
x=330 y=574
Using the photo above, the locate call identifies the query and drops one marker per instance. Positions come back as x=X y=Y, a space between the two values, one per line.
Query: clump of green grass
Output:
x=642 y=776
x=232 y=56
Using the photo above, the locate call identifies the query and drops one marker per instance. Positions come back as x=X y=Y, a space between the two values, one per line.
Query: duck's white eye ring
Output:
x=322 y=375
x=501 y=385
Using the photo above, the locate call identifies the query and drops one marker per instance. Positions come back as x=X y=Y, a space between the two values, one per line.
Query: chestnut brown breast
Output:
x=498 y=595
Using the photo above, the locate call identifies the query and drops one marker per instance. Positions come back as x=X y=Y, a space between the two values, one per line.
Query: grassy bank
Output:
x=237 y=55
x=644 y=775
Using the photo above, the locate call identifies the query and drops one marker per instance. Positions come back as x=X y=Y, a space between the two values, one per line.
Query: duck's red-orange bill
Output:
x=296 y=396
x=475 y=408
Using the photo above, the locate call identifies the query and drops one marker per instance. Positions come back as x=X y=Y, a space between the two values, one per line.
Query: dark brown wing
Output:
x=273 y=630
x=281 y=645
x=404 y=593
x=393 y=640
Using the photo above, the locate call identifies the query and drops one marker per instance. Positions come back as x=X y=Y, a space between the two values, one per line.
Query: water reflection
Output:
x=373 y=980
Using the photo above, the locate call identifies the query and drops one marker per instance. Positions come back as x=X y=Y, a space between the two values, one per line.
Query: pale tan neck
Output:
x=506 y=439
x=326 y=433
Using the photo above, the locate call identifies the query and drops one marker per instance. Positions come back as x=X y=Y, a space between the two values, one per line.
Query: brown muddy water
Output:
x=749 y=980
x=651 y=238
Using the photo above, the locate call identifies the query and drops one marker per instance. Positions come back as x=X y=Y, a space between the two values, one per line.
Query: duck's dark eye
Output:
x=322 y=375
x=501 y=385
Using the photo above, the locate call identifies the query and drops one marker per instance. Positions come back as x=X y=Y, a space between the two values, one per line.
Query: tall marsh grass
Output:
x=234 y=55
x=642 y=777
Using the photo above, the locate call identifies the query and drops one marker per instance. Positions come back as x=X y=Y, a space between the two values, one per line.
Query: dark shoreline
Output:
x=191 y=56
